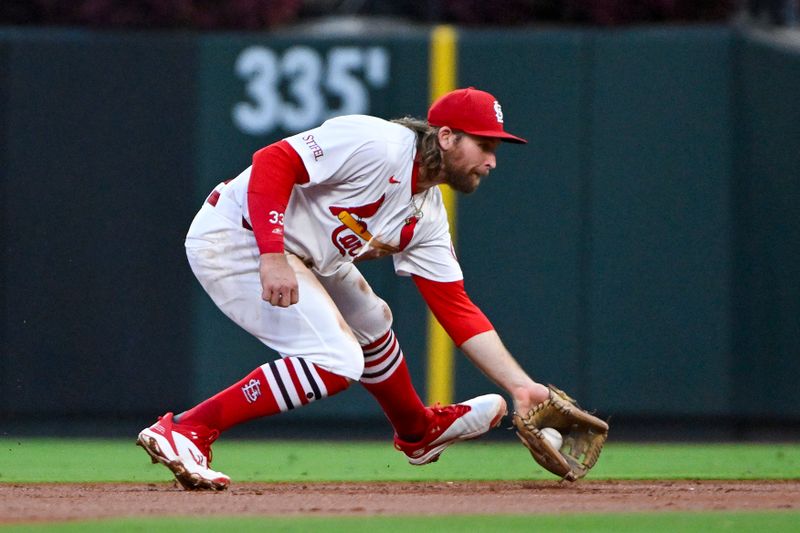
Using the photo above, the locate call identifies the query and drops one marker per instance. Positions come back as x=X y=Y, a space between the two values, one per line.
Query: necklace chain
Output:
x=418 y=213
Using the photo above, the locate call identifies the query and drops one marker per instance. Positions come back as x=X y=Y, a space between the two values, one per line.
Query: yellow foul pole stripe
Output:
x=441 y=352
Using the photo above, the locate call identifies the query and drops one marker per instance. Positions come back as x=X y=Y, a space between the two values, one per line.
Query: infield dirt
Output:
x=38 y=502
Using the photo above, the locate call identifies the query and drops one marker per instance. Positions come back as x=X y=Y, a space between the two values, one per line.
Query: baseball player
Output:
x=275 y=249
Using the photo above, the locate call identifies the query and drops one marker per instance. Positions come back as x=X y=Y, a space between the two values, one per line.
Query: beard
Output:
x=459 y=180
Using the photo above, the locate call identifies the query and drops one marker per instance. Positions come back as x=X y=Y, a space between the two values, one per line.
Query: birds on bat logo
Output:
x=351 y=243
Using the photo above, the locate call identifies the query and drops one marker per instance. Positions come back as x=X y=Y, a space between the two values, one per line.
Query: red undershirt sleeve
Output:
x=449 y=303
x=276 y=170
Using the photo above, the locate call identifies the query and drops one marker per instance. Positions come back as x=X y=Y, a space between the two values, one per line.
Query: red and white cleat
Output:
x=452 y=423
x=186 y=451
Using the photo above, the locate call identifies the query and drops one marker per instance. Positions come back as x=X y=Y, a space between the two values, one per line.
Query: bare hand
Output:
x=529 y=396
x=278 y=280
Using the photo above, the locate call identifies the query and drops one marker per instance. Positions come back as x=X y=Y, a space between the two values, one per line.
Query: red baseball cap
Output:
x=472 y=111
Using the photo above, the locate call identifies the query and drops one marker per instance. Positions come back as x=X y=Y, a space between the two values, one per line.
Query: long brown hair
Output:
x=428 y=151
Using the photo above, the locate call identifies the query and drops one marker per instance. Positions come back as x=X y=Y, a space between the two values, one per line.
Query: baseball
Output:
x=552 y=436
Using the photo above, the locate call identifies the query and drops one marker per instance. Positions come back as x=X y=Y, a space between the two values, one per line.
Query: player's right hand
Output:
x=278 y=280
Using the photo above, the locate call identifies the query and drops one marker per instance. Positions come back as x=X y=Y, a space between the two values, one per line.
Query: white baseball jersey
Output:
x=359 y=201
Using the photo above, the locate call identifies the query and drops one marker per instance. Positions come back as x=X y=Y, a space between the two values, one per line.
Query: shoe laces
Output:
x=438 y=415
x=442 y=414
x=448 y=411
x=201 y=436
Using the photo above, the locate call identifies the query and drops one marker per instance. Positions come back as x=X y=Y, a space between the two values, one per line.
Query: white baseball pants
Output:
x=335 y=314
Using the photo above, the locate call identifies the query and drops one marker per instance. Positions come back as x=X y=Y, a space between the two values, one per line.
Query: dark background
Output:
x=641 y=252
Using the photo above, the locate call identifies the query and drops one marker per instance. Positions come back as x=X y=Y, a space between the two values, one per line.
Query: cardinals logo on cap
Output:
x=498 y=111
x=472 y=111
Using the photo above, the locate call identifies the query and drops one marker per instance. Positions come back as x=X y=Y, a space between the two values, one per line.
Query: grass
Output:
x=712 y=522
x=79 y=460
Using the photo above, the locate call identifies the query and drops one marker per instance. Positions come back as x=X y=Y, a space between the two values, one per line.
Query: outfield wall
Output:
x=641 y=251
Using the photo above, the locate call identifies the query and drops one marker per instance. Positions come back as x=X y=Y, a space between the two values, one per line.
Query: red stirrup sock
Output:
x=386 y=377
x=269 y=389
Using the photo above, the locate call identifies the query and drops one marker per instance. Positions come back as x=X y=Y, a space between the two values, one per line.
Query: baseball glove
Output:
x=584 y=435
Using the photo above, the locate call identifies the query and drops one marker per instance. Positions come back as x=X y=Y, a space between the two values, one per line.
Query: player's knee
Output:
x=373 y=323
x=387 y=314
x=382 y=320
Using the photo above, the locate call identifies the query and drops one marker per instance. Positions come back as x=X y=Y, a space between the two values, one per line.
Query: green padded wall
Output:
x=766 y=185
x=660 y=214
x=641 y=251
